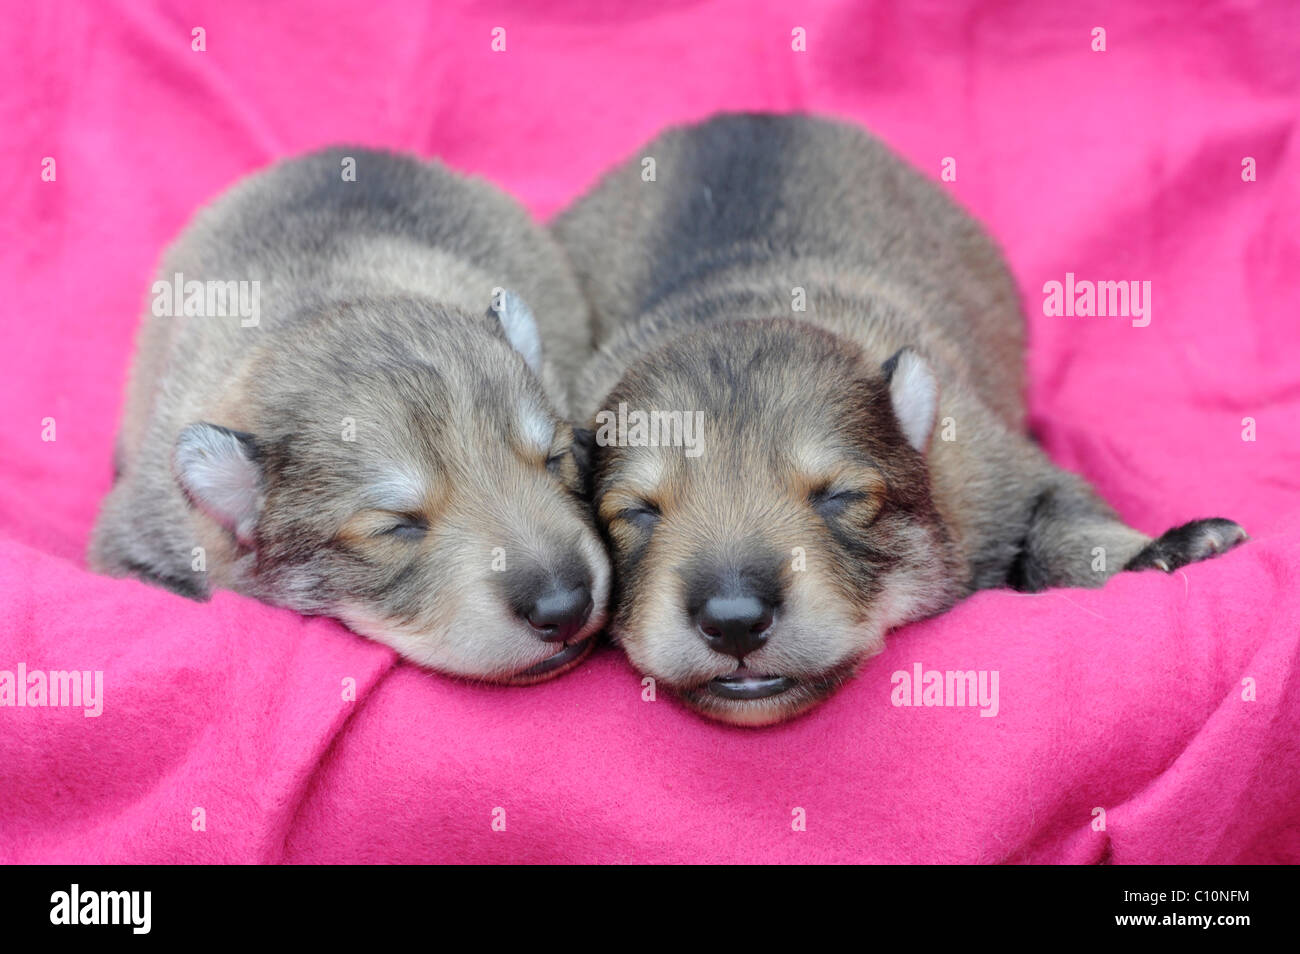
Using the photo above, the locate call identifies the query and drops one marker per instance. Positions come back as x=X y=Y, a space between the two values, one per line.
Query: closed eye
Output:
x=554 y=462
x=644 y=516
x=832 y=503
x=408 y=528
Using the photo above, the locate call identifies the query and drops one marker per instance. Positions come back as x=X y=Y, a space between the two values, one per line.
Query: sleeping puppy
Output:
x=340 y=404
x=785 y=312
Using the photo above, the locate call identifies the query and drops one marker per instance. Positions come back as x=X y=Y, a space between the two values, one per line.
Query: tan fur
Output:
x=811 y=499
x=396 y=437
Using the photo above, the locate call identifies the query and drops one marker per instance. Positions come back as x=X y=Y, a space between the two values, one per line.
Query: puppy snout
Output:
x=553 y=593
x=735 y=624
x=559 y=611
x=732 y=599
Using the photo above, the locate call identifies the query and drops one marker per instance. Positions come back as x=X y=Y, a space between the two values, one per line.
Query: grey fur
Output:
x=691 y=278
x=375 y=298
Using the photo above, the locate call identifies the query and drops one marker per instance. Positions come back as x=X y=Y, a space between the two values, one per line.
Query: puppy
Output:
x=340 y=405
x=815 y=308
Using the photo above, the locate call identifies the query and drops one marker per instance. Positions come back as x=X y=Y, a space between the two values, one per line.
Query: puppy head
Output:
x=418 y=486
x=755 y=570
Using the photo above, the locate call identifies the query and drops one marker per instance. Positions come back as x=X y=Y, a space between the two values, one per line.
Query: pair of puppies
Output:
x=390 y=445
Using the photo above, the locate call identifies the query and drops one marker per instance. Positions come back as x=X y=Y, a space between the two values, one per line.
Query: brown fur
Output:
x=865 y=462
x=380 y=447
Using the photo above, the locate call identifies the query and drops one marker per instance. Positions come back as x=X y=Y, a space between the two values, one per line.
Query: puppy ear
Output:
x=219 y=471
x=519 y=326
x=914 y=395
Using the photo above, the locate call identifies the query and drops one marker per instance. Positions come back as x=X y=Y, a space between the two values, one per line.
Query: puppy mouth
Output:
x=744 y=684
x=572 y=652
x=748 y=698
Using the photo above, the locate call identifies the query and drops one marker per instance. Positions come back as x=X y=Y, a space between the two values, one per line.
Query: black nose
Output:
x=735 y=625
x=560 y=612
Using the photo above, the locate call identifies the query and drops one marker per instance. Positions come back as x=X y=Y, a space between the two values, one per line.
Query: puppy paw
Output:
x=1190 y=543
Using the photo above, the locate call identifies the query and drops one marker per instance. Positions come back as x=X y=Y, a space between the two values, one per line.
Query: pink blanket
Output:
x=1157 y=720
